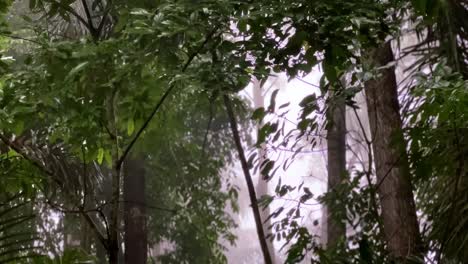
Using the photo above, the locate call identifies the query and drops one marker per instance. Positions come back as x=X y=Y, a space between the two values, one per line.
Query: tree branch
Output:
x=104 y=16
x=91 y=27
x=21 y=38
x=248 y=179
x=74 y=13
x=161 y=101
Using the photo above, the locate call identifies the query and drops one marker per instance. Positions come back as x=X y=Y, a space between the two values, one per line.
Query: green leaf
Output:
x=19 y=127
x=130 y=126
x=32 y=4
x=272 y=106
x=100 y=155
x=108 y=157
x=258 y=114
x=140 y=12
x=266 y=168
x=308 y=100
x=242 y=25
x=420 y=6
x=77 y=69
x=13 y=153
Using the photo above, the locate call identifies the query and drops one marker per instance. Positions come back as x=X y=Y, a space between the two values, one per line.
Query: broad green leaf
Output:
x=130 y=126
x=258 y=114
x=108 y=158
x=100 y=155
x=77 y=69
x=19 y=127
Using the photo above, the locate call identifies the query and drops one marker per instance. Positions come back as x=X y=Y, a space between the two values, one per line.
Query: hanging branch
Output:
x=248 y=179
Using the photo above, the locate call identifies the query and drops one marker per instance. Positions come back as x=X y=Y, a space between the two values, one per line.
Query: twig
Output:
x=21 y=38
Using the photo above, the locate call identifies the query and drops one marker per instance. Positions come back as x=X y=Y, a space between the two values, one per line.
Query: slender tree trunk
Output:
x=86 y=236
x=113 y=249
x=393 y=179
x=262 y=184
x=135 y=238
x=113 y=239
x=248 y=179
x=336 y=142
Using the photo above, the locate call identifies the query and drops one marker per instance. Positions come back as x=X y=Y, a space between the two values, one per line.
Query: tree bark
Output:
x=135 y=238
x=248 y=179
x=394 y=187
x=86 y=236
x=262 y=183
x=336 y=151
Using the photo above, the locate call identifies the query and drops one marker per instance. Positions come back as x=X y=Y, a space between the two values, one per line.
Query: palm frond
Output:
x=15 y=243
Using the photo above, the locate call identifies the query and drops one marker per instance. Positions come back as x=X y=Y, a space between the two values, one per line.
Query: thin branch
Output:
x=20 y=151
x=93 y=226
x=368 y=174
x=104 y=17
x=74 y=13
x=91 y=28
x=306 y=82
x=21 y=38
x=150 y=206
x=248 y=179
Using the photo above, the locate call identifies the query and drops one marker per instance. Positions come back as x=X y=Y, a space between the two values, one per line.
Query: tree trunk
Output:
x=114 y=221
x=86 y=236
x=393 y=179
x=262 y=184
x=100 y=251
x=336 y=144
x=135 y=238
x=248 y=179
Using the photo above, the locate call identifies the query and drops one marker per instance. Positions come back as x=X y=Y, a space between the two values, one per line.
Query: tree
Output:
x=336 y=152
x=99 y=131
x=134 y=200
x=84 y=92
x=393 y=179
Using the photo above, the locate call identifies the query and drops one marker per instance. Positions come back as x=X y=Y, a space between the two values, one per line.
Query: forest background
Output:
x=126 y=131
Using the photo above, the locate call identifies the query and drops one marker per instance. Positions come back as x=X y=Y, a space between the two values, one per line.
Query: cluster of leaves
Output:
x=296 y=36
x=353 y=202
x=437 y=127
x=189 y=183
x=91 y=95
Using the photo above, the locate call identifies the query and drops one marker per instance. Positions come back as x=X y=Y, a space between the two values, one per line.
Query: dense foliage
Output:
x=87 y=86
